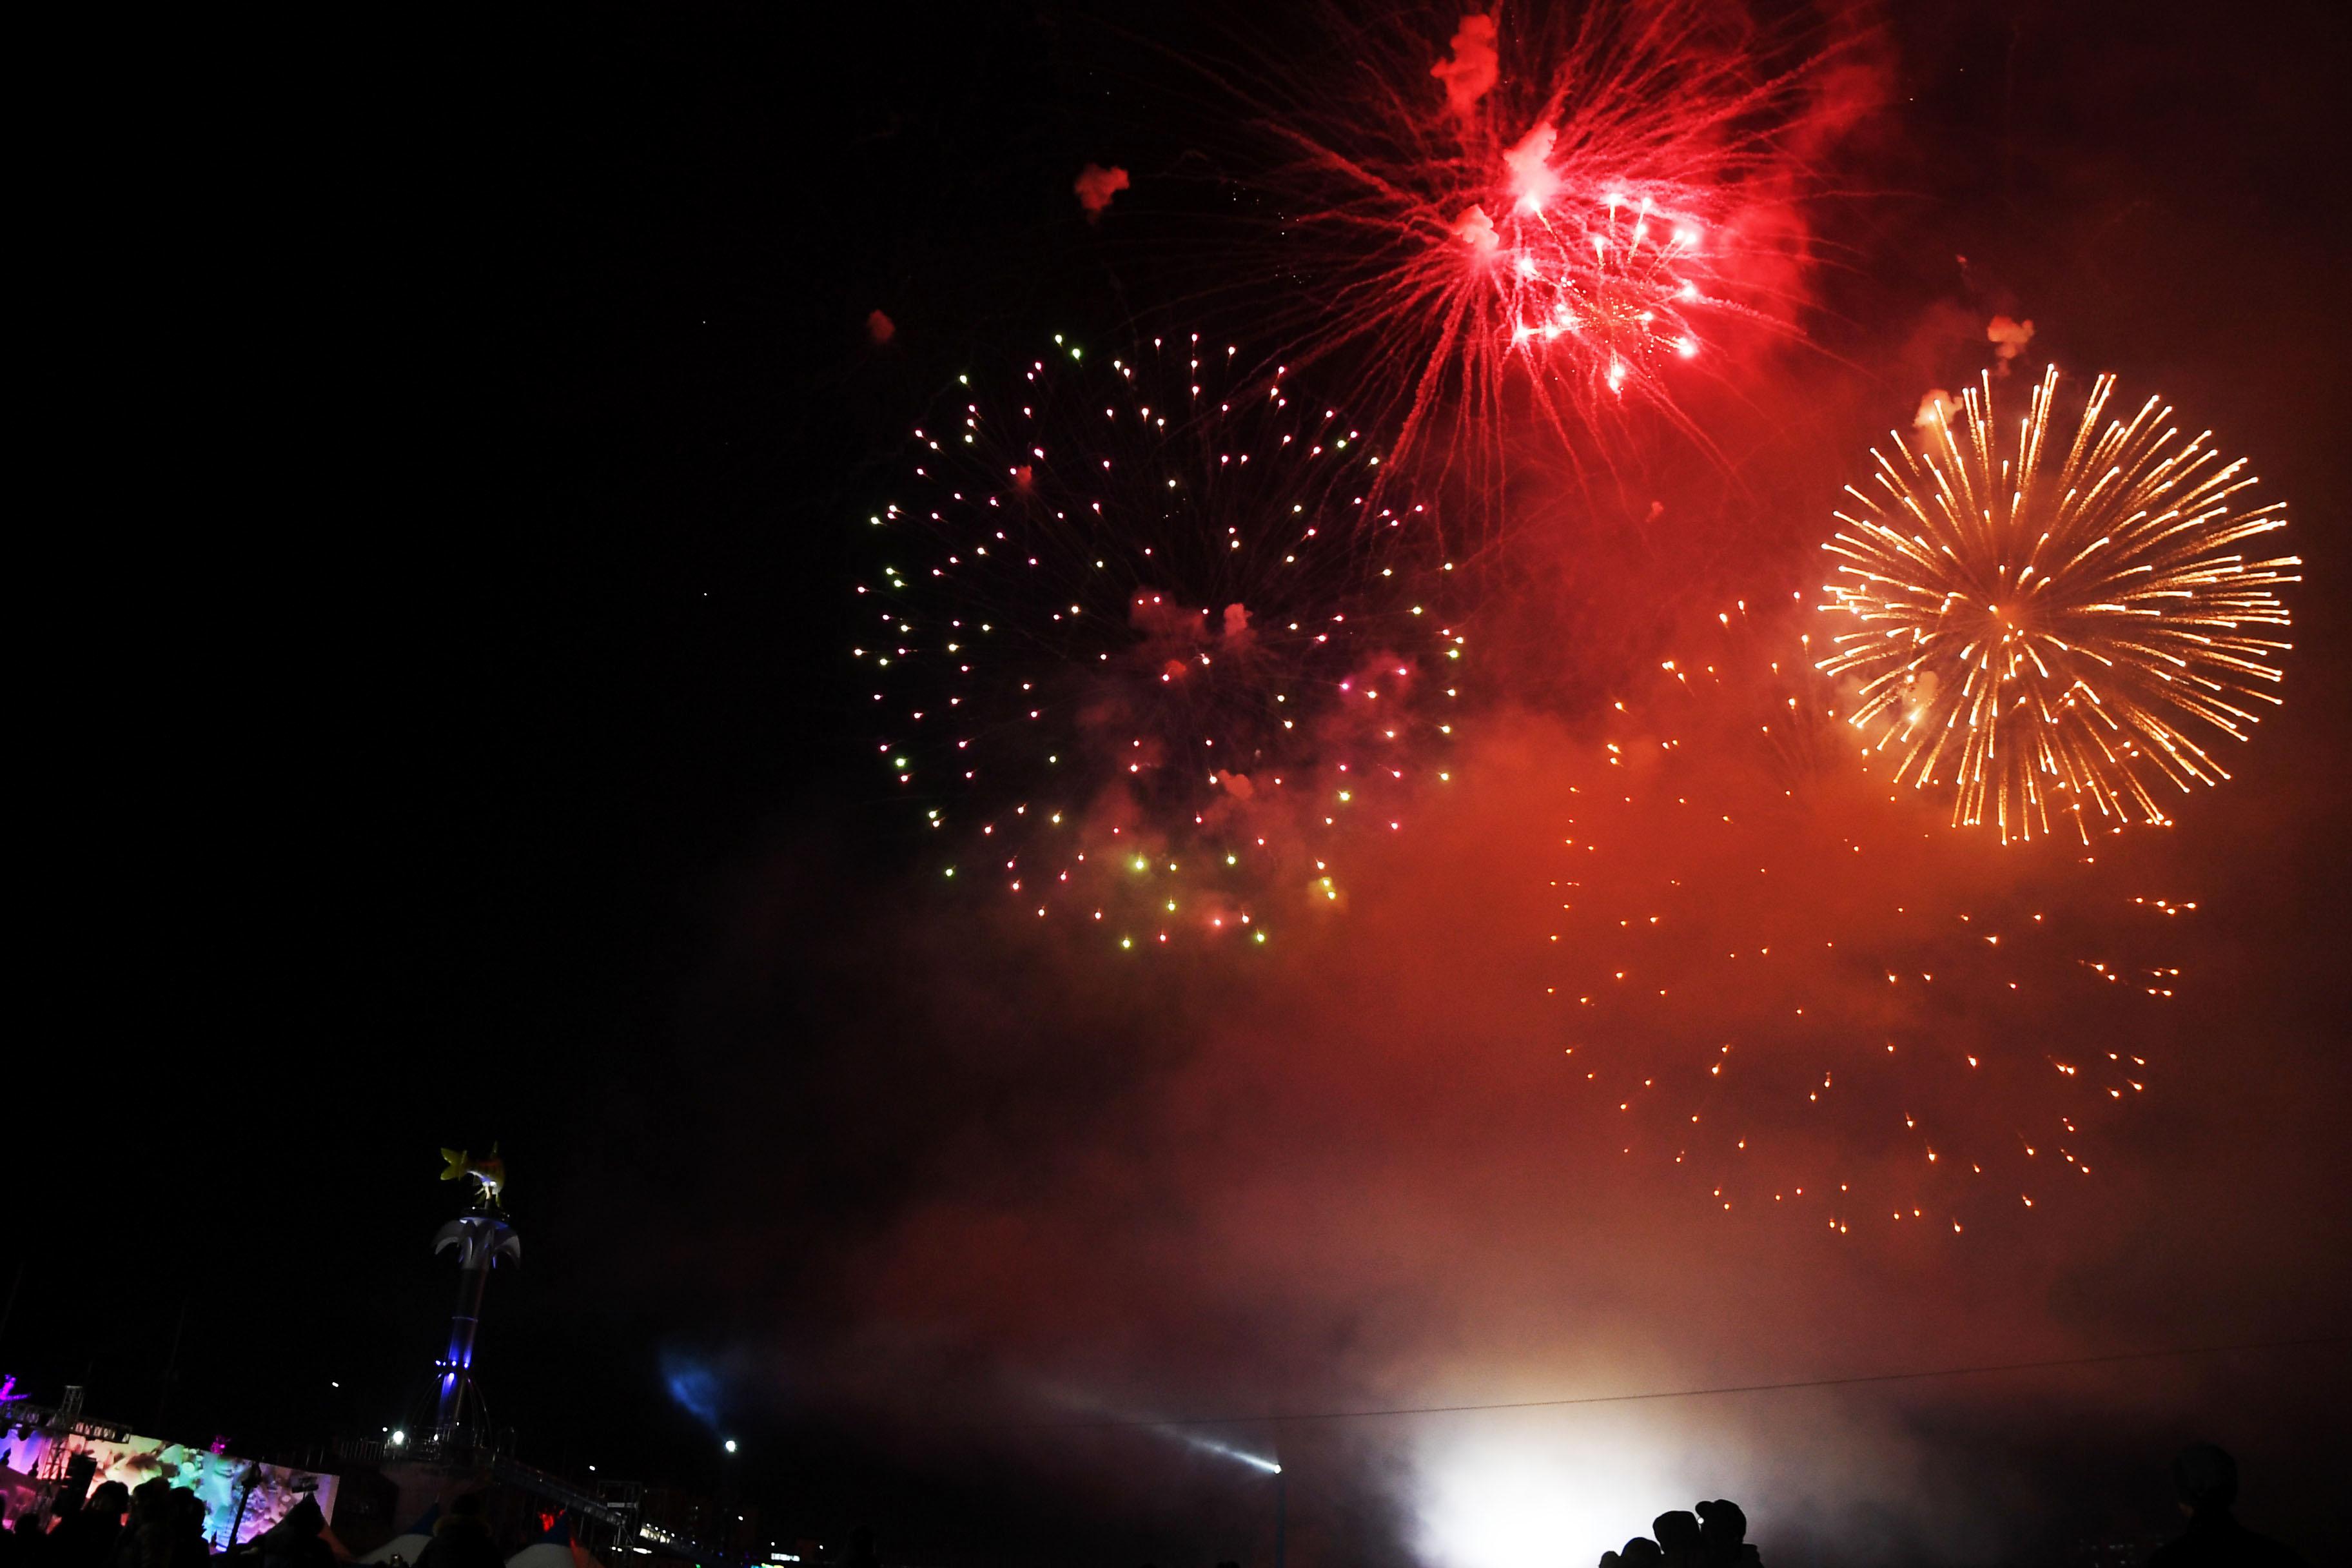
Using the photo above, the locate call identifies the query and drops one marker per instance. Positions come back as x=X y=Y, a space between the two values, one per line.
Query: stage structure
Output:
x=481 y=1236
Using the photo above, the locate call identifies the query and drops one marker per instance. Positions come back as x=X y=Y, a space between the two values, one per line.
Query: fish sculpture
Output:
x=490 y=1171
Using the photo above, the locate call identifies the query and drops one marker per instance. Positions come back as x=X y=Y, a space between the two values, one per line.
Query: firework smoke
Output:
x=1096 y=186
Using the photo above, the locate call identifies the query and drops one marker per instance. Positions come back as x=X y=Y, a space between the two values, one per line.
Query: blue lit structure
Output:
x=481 y=1236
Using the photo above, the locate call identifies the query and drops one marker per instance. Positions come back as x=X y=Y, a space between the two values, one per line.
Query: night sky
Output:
x=458 y=742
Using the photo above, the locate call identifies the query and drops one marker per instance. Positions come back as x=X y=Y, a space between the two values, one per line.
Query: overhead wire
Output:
x=1276 y=1417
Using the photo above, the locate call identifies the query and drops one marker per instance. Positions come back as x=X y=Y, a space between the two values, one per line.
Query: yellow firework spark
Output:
x=2048 y=631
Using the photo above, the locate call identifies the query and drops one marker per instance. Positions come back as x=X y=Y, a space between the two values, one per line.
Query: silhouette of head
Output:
x=1676 y=1531
x=2205 y=1477
x=1641 y=1552
x=1720 y=1522
x=109 y=1500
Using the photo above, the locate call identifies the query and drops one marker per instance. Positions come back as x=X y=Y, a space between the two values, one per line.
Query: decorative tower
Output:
x=481 y=1236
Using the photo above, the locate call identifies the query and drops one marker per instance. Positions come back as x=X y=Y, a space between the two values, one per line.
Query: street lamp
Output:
x=728 y=1447
x=1281 y=1515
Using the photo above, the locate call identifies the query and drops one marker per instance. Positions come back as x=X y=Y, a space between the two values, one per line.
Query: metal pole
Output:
x=457 y=1368
x=727 y=1499
x=244 y=1495
x=1281 y=1514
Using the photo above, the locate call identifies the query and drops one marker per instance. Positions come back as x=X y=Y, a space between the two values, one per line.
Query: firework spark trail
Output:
x=1545 y=217
x=2040 y=629
x=1778 y=980
x=1147 y=648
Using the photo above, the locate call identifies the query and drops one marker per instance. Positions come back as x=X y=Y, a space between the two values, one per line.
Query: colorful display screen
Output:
x=216 y=1478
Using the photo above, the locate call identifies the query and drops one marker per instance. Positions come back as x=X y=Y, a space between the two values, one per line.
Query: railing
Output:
x=50 y=1418
x=481 y=1452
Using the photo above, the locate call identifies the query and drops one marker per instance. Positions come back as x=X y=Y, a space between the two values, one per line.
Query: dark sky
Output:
x=457 y=745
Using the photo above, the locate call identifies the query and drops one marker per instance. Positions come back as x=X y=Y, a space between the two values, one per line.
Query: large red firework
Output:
x=1554 y=213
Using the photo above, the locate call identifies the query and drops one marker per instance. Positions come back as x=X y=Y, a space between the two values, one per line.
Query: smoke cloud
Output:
x=2008 y=339
x=1532 y=180
x=1469 y=68
x=1364 y=1168
x=1096 y=186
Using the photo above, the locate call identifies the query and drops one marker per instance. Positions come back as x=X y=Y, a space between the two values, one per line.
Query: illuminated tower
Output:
x=481 y=1236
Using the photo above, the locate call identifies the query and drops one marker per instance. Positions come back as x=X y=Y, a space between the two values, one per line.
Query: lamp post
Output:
x=727 y=1450
x=1281 y=1514
x=244 y=1485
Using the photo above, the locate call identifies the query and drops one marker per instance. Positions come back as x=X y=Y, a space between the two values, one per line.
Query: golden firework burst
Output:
x=2046 y=631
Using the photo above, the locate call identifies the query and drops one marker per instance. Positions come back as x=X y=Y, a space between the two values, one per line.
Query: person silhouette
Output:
x=2205 y=1480
x=1724 y=1529
x=1678 y=1538
x=294 y=1541
x=85 y=1538
x=461 y=1539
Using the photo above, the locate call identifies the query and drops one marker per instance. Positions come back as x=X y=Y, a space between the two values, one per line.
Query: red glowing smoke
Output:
x=1096 y=186
x=1469 y=71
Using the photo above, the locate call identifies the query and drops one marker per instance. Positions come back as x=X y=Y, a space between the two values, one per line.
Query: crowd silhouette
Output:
x=154 y=1525
x=1714 y=1535
x=157 y=1525
x=2204 y=1480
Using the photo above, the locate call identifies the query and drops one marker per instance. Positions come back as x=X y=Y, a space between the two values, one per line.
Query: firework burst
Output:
x=1552 y=213
x=1754 y=676
x=1807 y=1000
x=2062 y=624
x=1145 y=647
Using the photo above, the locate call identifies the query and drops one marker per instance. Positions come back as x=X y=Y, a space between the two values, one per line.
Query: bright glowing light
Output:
x=1210 y=1446
x=1621 y=290
x=1532 y=1500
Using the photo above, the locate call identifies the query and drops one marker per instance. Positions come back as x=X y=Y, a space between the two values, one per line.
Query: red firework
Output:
x=1555 y=213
